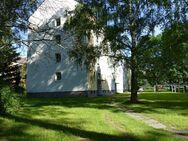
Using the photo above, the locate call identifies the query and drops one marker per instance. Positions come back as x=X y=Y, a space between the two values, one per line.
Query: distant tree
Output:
x=150 y=60
x=164 y=58
x=175 y=52
x=175 y=42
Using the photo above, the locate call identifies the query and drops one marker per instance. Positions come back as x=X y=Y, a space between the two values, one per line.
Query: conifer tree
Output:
x=14 y=16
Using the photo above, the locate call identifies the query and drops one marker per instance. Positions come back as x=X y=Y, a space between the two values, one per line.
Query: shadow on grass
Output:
x=152 y=106
x=121 y=101
x=70 y=130
x=15 y=132
x=78 y=102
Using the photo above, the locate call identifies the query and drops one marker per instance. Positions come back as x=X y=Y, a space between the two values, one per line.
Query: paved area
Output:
x=149 y=121
x=157 y=125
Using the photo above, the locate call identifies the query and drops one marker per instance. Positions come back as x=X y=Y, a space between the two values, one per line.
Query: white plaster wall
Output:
x=109 y=72
x=119 y=75
x=42 y=66
x=106 y=73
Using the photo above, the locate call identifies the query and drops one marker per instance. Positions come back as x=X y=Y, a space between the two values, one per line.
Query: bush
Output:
x=9 y=100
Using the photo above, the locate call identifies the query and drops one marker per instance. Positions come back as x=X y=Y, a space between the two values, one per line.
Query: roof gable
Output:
x=50 y=8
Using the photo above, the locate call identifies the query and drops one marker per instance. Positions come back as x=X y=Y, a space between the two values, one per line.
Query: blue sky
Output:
x=23 y=48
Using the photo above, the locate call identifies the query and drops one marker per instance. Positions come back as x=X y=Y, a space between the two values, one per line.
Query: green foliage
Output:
x=9 y=100
x=164 y=59
x=83 y=51
x=174 y=52
x=23 y=76
x=121 y=25
x=10 y=72
x=14 y=16
x=150 y=60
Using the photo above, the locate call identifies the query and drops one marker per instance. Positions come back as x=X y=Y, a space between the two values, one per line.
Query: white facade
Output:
x=43 y=67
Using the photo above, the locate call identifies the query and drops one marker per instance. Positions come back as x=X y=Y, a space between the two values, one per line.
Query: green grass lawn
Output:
x=170 y=109
x=95 y=119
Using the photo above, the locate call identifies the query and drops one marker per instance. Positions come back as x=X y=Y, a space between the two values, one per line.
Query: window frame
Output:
x=58 y=21
x=58 y=57
x=58 y=38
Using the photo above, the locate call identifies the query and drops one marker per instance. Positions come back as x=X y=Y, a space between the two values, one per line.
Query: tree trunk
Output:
x=133 y=61
x=184 y=88
x=134 y=96
x=170 y=88
x=134 y=83
x=156 y=88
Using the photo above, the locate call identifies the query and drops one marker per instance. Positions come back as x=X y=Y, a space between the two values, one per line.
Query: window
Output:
x=58 y=39
x=58 y=57
x=58 y=21
x=58 y=75
x=84 y=39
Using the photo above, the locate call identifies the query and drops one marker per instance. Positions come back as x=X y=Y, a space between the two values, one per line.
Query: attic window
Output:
x=58 y=57
x=58 y=39
x=58 y=75
x=58 y=21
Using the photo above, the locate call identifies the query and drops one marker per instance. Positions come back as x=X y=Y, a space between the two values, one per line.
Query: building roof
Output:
x=49 y=8
x=21 y=61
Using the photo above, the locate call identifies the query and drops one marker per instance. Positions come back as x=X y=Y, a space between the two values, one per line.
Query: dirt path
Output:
x=114 y=124
x=118 y=126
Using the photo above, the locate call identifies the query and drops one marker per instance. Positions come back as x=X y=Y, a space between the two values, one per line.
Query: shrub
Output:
x=9 y=100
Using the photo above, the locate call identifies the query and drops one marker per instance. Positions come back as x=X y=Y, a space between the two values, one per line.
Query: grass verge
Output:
x=95 y=119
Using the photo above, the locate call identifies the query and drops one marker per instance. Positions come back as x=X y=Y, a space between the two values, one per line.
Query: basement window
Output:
x=58 y=75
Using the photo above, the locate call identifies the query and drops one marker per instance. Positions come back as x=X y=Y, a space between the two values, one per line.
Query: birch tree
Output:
x=123 y=24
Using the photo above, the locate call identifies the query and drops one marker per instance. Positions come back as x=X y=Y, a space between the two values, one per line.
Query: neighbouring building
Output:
x=50 y=72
